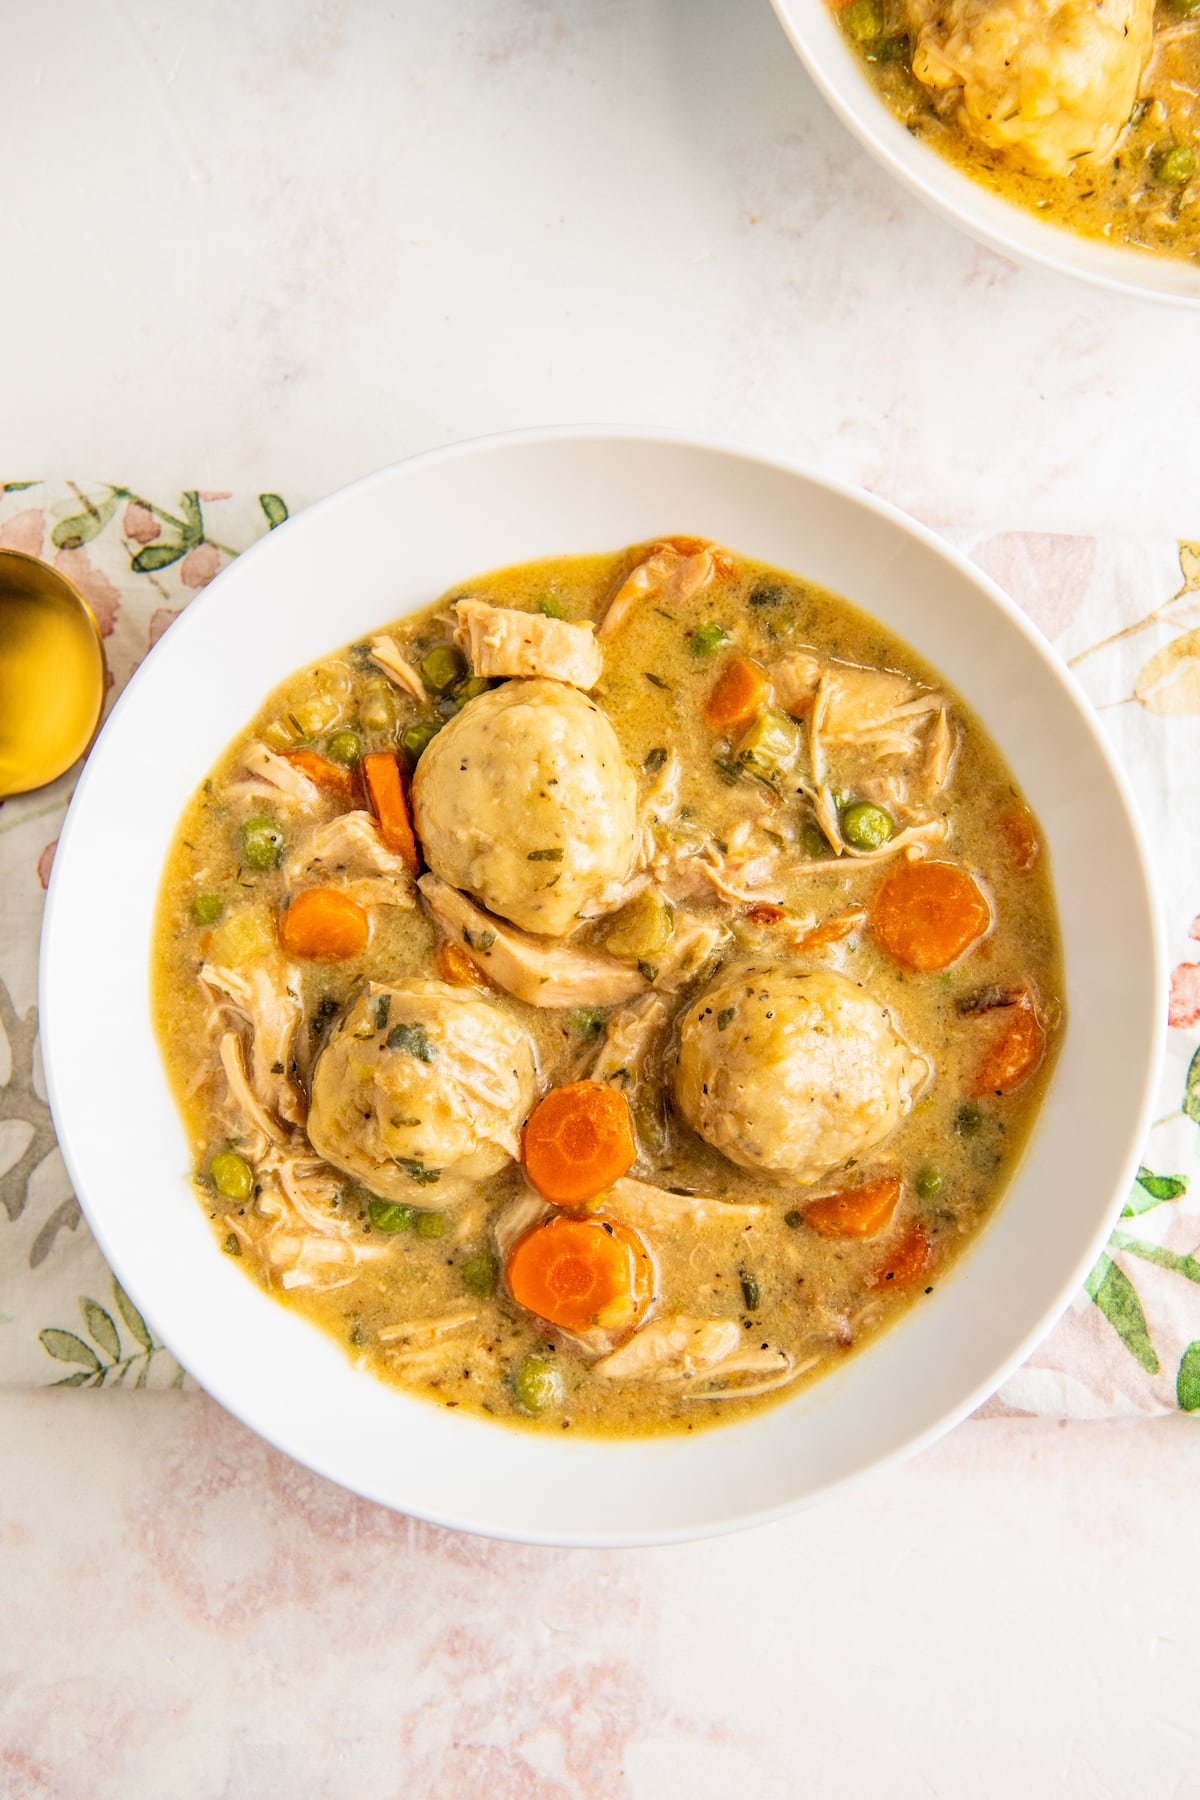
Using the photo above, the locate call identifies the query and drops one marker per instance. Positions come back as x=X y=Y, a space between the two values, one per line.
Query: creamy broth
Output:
x=1137 y=189
x=735 y=890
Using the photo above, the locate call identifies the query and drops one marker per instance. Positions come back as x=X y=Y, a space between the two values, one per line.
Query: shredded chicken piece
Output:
x=270 y=1013
x=241 y=1093
x=273 y=778
x=741 y=879
x=627 y=1039
x=385 y=653
x=940 y=753
x=417 y=1334
x=673 y=571
x=502 y=641
x=682 y=1349
x=527 y=967
x=871 y=709
x=348 y=852
x=694 y=940
x=642 y=1204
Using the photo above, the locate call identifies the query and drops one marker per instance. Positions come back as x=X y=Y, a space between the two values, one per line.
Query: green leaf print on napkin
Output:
x=1187 y=1385
x=274 y=508
x=95 y=1371
x=1152 y=1190
x=81 y=528
x=1191 y=1091
x=1116 y=1296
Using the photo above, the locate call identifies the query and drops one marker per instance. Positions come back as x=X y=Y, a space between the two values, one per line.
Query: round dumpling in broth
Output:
x=421 y=1090
x=525 y=800
x=793 y=1074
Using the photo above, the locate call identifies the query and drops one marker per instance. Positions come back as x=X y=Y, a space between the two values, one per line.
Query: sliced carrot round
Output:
x=740 y=691
x=325 y=925
x=1012 y=1058
x=855 y=1212
x=578 y=1141
x=907 y=1260
x=581 y=1273
x=926 y=914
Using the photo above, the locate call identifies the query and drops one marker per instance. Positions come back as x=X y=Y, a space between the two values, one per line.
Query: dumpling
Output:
x=1047 y=85
x=793 y=1074
x=525 y=800
x=421 y=1090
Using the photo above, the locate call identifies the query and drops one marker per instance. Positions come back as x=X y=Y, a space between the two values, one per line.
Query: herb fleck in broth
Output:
x=805 y=915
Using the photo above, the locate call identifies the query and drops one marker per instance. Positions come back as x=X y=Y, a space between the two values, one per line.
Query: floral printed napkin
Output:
x=1125 y=612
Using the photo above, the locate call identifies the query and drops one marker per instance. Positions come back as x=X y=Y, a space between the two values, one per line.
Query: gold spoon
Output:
x=52 y=674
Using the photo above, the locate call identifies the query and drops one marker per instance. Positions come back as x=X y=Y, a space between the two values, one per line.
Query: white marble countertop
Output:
x=287 y=243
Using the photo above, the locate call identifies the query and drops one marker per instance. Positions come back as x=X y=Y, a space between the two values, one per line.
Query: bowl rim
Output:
x=999 y=224
x=55 y=1008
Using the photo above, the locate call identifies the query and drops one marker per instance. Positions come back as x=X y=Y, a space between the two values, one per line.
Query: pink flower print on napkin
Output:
x=140 y=524
x=1184 y=1009
x=1048 y=576
x=24 y=531
x=200 y=565
x=161 y=620
x=45 y=863
x=99 y=592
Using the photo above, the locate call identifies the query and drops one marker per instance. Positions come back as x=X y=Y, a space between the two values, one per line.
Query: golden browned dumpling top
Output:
x=1046 y=84
x=793 y=1074
x=421 y=1090
x=525 y=800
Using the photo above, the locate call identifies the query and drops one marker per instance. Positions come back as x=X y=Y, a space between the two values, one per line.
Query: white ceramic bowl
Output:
x=840 y=75
x=392 y=543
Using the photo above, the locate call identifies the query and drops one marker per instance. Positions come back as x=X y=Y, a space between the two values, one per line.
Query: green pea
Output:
x=470 y=689
x=417 y=738
x=929 y=1182
x=391 y=1215
x=207 y=908
x=431 y=1224
x=262 y=844
x=814 y=842
x=550 y=608
x=706 y=640
x=793 y=1219
x=231 y=1175
x=479 y=1275
x=345 y=747
x=586 y=1022
x=968 y=1120
x=442 y=667
x=536 y=1384
x=867 y=826
x=863 y=21
x=1174 y=164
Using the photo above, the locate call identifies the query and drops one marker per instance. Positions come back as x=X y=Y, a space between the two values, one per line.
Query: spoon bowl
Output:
x=52 y=674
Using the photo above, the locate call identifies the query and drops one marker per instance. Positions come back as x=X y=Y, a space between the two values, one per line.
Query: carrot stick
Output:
x=329 y=775
x=1014 y=1055
x=855 y=1212
x=578 y=1141
x=831 y=931
x=907 y=1261
x=579 y=1273
x=456 y=967
x=389 y=803
x=326 y=925
x=740 y=691
x=926 y=914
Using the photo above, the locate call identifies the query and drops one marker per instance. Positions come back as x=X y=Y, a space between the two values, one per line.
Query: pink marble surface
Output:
x=186 y=1613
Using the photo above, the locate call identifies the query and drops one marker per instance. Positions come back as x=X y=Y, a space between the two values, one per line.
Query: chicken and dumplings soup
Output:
x=604 y=1000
